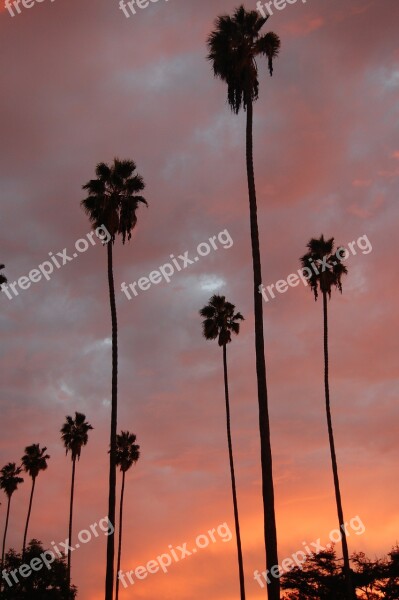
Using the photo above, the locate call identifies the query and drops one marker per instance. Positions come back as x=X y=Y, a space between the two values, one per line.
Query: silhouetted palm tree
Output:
x=220 y=320
x=9 y=482
x=233 y=49
x=112 y=202
x=33 y=461
x=3 y=278
x=127 y=454
x=74 y=434
x=326 y=270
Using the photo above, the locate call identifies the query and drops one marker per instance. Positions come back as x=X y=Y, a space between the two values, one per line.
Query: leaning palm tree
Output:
x=74 y=434
x=33 y=461
x=220 y=320
x=9 y=482
x=3 y=278
x=234 y=47
x=112 y=201
x=127 y=454
x=325 y=272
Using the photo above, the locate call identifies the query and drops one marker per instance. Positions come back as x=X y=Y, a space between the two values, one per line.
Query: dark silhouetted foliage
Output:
x=321 y=578
x=43 y=584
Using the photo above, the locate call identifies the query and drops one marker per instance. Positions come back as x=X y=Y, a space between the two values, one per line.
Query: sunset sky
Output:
x=80 y=84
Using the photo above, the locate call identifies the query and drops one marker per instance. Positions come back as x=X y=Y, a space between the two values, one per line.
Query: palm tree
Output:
x=3 y=278
x=325 y=272
x=33 y=461
x=220 y=320
x=9 y=482
x=74 y=434
x=112 y=201
x=233 y=49
x=127 y=454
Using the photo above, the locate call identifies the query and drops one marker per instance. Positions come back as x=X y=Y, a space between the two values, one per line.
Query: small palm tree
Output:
x=3 y=278
x=127 y=454
x=33 y=461
x=74 y=434
x=112 y=201
x=234 y=47
x=220 y=320
x=327 y=270
x=9 y=482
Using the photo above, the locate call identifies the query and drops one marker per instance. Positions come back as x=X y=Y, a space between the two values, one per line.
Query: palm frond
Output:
x=127 y=451
x=9 y=478
x=232 y=49
x=113 y=198
x=219 y=320
x=35 y=460
x=3 y=278
x=321 y=253
x=74 y=434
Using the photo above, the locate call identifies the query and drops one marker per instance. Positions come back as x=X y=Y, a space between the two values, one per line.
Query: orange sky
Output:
x=80 y=84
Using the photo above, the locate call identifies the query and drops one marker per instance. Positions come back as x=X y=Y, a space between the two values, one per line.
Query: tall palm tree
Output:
x=74 y=434
x=9 y=482
x=112 y=201
x=234 y=46
x=220 y=320
x=127 y=454
x=3 y=278
x=33 y=461
x=326 y=271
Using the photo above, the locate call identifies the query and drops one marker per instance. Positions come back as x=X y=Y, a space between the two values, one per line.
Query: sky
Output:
x=81 y=83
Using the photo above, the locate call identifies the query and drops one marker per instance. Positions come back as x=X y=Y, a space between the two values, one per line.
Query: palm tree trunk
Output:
x=70 y=526
x=4 y=541
x=109 y=581
x=270 y=532
x=233 y=479
x=120 y=536
x=350 y=592
x=28 y=517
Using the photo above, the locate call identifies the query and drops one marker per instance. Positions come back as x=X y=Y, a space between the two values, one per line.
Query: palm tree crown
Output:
x=220 y=320
x=328 y=263
x=127 y=451
x=74 y=434
x=35 y=460
x=9 y=478
x=3 y=278
x=113 y=197
x=233 y=48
